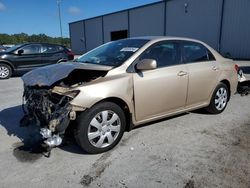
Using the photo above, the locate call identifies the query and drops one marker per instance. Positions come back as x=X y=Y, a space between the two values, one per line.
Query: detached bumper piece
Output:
x=244 y=88
x=51 y=141
x=48 y=110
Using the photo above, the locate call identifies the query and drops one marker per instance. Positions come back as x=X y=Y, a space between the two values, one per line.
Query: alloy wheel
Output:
x=4 y=72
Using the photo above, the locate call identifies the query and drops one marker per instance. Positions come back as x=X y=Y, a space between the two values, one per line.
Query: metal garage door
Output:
x=77 y=37
x=199 y=19
x=236 y=29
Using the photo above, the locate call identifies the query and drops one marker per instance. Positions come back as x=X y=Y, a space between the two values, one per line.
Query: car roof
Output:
x=40 y=43
x=152 y=38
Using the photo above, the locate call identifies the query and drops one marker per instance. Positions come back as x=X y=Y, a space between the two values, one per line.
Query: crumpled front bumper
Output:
x=51 y=111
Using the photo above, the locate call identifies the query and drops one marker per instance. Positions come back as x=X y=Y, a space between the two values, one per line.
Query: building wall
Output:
x=223 y=24
x=236 y=29
x=147 y=20
x=198 y=19
x=77 y=37
x=114 y=22
x=93 y=30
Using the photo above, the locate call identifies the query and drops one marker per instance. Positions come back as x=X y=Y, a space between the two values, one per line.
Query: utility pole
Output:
x=60 y=20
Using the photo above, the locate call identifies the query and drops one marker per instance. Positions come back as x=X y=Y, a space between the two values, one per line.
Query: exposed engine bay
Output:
x=46 y=99
x=48 y=110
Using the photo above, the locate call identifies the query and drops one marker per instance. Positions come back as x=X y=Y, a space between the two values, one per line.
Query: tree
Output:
x=24 y=38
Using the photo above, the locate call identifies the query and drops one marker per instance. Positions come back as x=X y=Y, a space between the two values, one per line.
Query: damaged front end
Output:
x=49 y=110
x=48 y=93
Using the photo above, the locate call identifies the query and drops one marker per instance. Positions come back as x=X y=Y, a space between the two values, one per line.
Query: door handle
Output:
x=182 y=73
x=215 y=68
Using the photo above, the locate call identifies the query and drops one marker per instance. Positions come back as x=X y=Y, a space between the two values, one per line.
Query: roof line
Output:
x=120 y=11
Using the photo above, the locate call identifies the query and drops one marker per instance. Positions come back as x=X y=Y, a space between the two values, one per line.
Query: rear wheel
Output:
x=219 y=99
x=100 y=128
x=5 y=71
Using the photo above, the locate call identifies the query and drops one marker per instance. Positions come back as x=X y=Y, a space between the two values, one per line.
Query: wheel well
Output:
x=9 y=64
x=124 y=107
x=227 y=83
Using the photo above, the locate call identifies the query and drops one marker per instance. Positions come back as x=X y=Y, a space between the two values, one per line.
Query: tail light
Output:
x=236 y=67
x=70 y=55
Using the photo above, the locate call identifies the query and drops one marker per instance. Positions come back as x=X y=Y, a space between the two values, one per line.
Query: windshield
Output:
x=113 y=53
x=13 y=48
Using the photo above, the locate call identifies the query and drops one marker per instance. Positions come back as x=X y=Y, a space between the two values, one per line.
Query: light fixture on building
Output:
x=186 y=7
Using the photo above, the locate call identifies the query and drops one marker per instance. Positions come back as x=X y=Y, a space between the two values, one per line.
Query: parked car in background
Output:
x=8 y=46
x=126 y=83
x=25 y=57
x=2 y=48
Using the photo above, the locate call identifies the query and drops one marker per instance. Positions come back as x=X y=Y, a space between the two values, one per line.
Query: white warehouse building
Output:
x=223 y=24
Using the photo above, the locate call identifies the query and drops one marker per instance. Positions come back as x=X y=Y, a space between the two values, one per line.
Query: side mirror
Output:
x=19 y=52
x=146 y=64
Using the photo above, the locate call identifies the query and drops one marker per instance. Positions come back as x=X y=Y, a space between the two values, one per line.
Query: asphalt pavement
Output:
x=190 y=150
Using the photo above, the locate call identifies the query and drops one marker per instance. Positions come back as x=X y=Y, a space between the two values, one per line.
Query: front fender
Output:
x=118 y=86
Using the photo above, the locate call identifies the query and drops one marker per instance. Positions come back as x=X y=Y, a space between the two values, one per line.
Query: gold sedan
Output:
x=125 y=83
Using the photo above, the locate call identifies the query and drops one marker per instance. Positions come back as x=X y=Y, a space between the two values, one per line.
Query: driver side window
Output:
x=165 y=53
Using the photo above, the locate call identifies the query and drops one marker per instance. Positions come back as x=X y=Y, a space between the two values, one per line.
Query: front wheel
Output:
x=219 y=99
x=100 y=128
x=5 y=71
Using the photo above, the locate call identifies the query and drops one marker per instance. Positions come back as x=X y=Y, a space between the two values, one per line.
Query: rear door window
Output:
x=194 y=52
x=165 y=53
x=48 y=48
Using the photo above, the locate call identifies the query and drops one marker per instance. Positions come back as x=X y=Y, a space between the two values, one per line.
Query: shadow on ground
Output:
x=30 y=139
x=9 y=119
x=28 y=149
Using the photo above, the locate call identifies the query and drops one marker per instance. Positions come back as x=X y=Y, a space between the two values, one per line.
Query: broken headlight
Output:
x=65 y=92
x=72 y=94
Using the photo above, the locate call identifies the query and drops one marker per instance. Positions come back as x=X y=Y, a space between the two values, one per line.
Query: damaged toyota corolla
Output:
x=125 y=83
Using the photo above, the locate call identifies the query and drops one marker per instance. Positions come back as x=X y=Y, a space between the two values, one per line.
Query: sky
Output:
x=41 y=16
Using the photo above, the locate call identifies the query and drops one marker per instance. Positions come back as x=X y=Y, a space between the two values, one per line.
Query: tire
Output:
x=100 y=128
x=219 y=99
x=5 y=71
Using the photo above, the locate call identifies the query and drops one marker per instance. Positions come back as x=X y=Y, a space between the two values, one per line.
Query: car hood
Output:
x=49 y=75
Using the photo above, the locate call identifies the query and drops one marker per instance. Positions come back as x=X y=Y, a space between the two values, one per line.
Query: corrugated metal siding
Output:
x=77 y=37
x=114 y=22
x=199 y=20
x=147 y=20
x=236 y=29
x=93 y=33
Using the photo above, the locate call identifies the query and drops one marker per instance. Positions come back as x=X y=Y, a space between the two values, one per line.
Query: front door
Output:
x=164 y=89
x=30 y=58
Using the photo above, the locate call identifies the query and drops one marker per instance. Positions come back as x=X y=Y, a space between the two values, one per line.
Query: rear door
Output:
x=51 y=54
x=30 y=58
x=164 y=89
x=203 y=72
